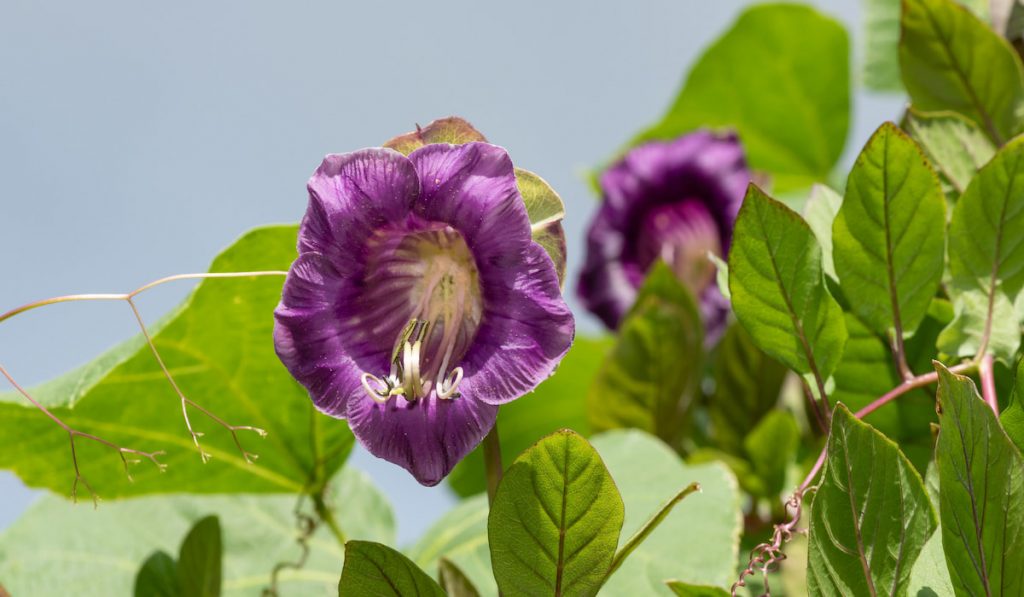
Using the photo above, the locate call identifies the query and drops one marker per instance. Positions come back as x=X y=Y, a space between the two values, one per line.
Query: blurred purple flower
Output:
x=673 y=201
x=419 y=302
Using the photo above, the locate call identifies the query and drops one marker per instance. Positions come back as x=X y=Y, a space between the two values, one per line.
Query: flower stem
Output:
x=327 y=516
x=492 y=462
x=988 y=383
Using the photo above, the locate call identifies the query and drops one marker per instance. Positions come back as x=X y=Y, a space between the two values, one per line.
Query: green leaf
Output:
x=820 y=212
x=454 y=582
x=546 y=211
x=697 y=543
x=555 y=520
x=929 y=576
x=199 y=560
x=650 y=378
x=986 y=258
x=55 y=544
x=219 y=346
x=460 y=536
x=797 y=131
x=771 y=448
x=778 y=291
x=981 y=493
x=889 y=235
x=375 y=569
x=687 y=590
x=158 y=577
x=747 y=385
x=955 y=146
x=1012 y=418
x=951 y=60
x=870 y=517
x=557 y=403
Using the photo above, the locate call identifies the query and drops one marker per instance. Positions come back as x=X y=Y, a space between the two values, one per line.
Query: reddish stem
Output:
x=988 y=383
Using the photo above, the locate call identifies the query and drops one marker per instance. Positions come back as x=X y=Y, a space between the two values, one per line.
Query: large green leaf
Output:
x=199 y=560
x=56 y=545
x=986 y=258
x=555 y=520
x=650 y=378
x=951 y=60
x=890 y=234
x=460 y=536
x=870 y=517
x=697 y=543
x=981 y=493
x=220 y=349
x=747 y=385
x=955 y=146
x=780 y=77
x=778 y=290
x=558 y=403
x=375 y=569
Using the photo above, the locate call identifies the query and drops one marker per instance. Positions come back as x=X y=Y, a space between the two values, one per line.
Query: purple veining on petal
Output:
x=419 y=300
x=672 y=200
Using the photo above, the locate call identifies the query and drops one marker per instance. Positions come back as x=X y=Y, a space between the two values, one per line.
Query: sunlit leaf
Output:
x=219 y=347
x=955 y=146
x=778 y=289
x=889 y=236
x=555 y=520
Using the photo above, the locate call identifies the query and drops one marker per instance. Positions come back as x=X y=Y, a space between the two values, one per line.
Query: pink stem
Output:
x=988 y=383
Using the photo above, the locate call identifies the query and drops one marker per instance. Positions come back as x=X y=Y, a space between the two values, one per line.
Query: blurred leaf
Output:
x=460 y=536
x=555 y=520
x=951 y=60
x=557 y=403
x=955 y=146
x=56 y=545
x=870 y=517
x=890 y=234
x=219 y=347
x=158 y=577
x=451 y=129
x=881 y=69
x=454 y=582
x=1012 y=418
x=375 y=569
x=820 y=212
x=981 y=493
x=778 y=291
x=199 y=560
x=771 y=448
x=986 y=259
x=697 y=543
x=747 y=385
x=687 y=590
x=721 y=275
x=929 y=576
x=795 y=132
x=650 y=378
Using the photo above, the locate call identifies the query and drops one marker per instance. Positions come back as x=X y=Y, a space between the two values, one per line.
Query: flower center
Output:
x=680 y=234
x=433 y=274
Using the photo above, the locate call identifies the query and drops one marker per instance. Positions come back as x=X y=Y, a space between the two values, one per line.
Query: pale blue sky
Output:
x=137 y=139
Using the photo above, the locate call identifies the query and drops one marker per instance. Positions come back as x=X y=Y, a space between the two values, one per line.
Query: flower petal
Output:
x=306 y=334
x=526 y=330
x=350 y=196
x=426 y=437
